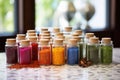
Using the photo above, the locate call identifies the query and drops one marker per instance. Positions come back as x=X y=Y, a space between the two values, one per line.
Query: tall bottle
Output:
x=44 y=52
x=34 y=44
x=106 y=51
x=11 y=49
x=25 y=52
x=72 y=52
x=93 y=50
x=58 y=52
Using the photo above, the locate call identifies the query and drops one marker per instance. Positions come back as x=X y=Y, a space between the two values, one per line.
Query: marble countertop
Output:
x=65 y=72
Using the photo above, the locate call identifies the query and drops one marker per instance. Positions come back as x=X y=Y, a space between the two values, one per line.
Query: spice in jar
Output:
x=72 y=52
x=34 y=45
x=11 y=49
x=58 y=52
x=44 y=52
x=25 y=52
x=106 y=51
x=93 y=50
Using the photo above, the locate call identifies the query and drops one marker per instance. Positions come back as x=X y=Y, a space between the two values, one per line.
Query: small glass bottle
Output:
x=86 y=40
x=80 y=46
x=44 y=52
x=72 y=52
x=67 y=33
x=11 y=49
x=25 y=52
x=93 y=50
x=55 y=30
x=34 y=44
x=58 y=52
x=20 y=37
x=106 y=51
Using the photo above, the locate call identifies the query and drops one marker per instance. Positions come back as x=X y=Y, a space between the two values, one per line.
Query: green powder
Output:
x=80 y=51
x=93 y=53
x=106 y=54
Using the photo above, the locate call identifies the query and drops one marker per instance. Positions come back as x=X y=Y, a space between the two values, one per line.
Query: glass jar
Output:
x=44 y=52
x=67 y=32
x=34 y=44
x=11 y=49
x=72 y=52
x=106 y=51
x=93 y=48
x=86 y=40
x=20 y=37
x=25 y=52
x=58 y=52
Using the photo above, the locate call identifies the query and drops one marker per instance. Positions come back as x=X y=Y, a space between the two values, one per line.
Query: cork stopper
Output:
x=58 y=41
x=46 y=37
x=44 y=29
x=88 y=35
x=33 y=39
x=31 y=34
x=73 y=41
x=75 y=34
x=106 y=40
x=10 y=41
x=20 y=37
x=68 y=29
x=60 y=37
x=44 y=41
x=56 y=29
x=46 y=32
x=59 y=34
x=78 y=32
x=31 y=31
x=77 y=38
x=94 y=40
x=25 y=43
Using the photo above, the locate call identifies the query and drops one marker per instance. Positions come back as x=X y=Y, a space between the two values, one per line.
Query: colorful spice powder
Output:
x=25 y=55
x=44 y=56
x=106 y=54
x=72 y=55
x=58 y=55
x=34 y=51
x=34 y=64
x=11 y=54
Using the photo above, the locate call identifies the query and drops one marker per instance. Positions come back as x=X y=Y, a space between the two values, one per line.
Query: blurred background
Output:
x=99 y=16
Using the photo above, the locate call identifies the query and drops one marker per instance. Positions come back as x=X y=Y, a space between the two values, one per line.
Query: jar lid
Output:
x=73 y=41
x=44 y=41
x=75 y=34
x=88 y=35
x=20 y=37
x=59 y=34
x=56 y=29
x=79 y=32
x=68 y=29
x=31 y=31
x=94 y=40
x=24 y=43
x=106 y=40
x=33 y=38
x=10 y=41
x=31 y=34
